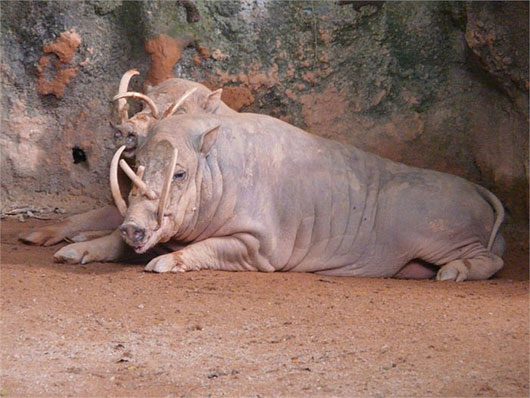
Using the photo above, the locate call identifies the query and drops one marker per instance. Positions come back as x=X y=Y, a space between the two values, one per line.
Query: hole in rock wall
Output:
x=78 y=155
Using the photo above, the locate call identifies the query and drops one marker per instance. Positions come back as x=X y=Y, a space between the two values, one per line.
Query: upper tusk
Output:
x=123 y=87
x=142 y=97
x=172 y=109
x=167 y=185
x=114 y=186
x=137 y=181
x=140 y=173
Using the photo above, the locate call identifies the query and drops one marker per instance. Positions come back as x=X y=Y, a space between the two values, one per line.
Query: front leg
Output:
x=105 y=218
x=107 y=248
x=226 y=253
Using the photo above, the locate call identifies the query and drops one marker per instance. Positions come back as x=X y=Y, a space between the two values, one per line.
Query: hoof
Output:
x=165 y=263
x=453 y=271
x=72 y=255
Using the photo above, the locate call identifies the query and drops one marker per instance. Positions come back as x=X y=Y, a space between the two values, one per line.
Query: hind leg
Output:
x=480 y=267
x=415 y=269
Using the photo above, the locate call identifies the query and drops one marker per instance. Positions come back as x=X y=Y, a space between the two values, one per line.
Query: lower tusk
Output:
x=114 y=185
x=124 y=84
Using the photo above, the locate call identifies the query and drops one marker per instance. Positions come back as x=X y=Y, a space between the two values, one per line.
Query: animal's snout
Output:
x=132 y=232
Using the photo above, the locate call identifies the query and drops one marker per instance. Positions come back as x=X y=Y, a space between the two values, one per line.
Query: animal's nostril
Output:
x=139 y=234
x=134 y=233
x=123 y=230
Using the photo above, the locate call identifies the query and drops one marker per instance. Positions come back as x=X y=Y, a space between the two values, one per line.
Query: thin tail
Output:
x=499 y=212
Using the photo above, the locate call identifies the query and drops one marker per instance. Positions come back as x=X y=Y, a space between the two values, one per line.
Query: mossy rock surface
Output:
x=442 y=85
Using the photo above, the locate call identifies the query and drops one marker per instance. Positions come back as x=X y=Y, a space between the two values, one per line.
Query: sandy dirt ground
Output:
x=114 y=330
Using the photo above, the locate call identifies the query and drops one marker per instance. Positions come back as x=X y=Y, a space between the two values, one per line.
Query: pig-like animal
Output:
x=251 y=193
x=172 y=96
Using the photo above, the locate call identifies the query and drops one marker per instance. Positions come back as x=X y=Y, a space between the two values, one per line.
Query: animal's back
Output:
x=312 y=200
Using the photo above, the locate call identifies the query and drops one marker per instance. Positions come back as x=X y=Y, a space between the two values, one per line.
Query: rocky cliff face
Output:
x=442 y=85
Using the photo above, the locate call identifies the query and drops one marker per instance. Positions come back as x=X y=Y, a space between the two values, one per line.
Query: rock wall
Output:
x=442 y=85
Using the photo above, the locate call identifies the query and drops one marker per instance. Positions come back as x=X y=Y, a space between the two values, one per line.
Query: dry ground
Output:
x=111 y=329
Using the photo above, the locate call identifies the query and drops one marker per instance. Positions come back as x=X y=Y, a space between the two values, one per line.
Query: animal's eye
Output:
x=180 y=111
x=179 y=176
x=117 y=135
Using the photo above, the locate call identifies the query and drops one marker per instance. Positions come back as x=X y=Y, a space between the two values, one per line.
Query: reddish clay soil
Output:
x=237 y=97
x=113 y=330
x=165 y=52
x=64 y=48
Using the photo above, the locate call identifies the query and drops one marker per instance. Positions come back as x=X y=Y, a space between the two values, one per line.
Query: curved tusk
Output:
x=167 y=185
x=114 y=186
x=140 y=173
x=142 y=97
x=172 y=109
x=137 y=181
x=123 y=87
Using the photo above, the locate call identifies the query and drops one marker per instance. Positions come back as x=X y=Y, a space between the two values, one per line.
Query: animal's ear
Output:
x=213 y=101
x=207 y=140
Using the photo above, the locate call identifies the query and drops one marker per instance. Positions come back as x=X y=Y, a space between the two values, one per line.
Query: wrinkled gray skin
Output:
x=262 y=195
x=99 y=222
